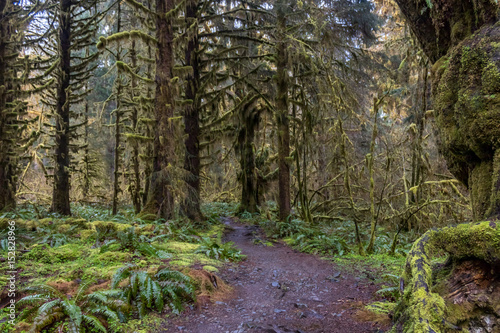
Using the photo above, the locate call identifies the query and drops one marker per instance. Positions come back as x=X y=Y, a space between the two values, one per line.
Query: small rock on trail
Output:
x=277 y=289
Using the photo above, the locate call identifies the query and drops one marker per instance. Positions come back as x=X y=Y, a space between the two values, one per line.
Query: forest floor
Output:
x=278 y=289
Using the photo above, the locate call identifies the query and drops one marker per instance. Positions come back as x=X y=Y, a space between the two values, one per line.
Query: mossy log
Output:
x=423 y=307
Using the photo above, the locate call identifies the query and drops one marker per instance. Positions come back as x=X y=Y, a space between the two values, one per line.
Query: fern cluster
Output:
x=306 y=238
x=128 y=240
x=225 y=251
x=48 y=307
x=180 y=230
x=320 y=244
x=133 y=294
x=53 y=237
x=152 y=292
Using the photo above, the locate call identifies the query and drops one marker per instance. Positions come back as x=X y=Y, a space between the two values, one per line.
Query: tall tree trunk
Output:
x=160 y=199
x=249 y=187
x=60 y=194
x=118 y=83
x=116 y=162
x=282 y=116
x=135 y=190
x=371 y=172
x=7 y=183
x=86 y=155
x=148 y=170
x=191 y=205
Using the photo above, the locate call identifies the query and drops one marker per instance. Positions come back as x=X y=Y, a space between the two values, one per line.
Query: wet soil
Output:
x=277 y=289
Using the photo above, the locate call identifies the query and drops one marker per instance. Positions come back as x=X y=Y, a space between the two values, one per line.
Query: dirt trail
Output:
x=280 y=290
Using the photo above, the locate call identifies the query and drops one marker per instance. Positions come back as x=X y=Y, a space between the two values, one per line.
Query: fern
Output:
x=130 y=241
x=320 y=244
x=49 y=307
x=212 y=249
x=391 y=288
x=145 y=292
x=51 y=236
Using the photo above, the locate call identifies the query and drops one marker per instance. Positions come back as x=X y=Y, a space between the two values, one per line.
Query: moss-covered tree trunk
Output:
x=7 y=166
x=160 y=198
x=135 y=189
x=460 y=38
x=86 y=151
x=61 y=187
x=117 y=150
x=192 y=163
x=118 y=121
x=282 y=117
x=148 y=151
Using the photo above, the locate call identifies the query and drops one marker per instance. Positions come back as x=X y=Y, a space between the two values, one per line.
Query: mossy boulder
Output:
x=466 y=98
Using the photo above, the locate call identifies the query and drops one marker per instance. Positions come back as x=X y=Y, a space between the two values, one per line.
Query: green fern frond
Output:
x=159 y=304
x=46 y=307
x=73 y=311
x=121 y=274
x=82 y=290
x=46 y=290
x=106 y=312
x=45 y=320
x=94 y=322
x=166 y=274
x=33 y=299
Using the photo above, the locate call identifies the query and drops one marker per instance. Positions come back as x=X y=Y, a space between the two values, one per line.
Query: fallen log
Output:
x=460 y=295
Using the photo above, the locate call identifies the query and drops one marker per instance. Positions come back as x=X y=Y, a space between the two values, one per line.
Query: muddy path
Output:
x=277 y=289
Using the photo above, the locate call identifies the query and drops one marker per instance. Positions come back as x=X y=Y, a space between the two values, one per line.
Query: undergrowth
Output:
x=136 y=268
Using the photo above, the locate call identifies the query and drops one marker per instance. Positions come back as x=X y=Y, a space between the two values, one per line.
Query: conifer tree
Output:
x=282 y=116
x=191 y=204
x=15 y=17
x=160 y=197
x=77 y=23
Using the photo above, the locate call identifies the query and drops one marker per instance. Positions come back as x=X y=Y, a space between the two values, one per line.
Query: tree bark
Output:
x=422 y=308
x=60 y=194
x=249 y=187
x=161 y=199
x=444 y=24
x=118 y=83
x=458 y=36
x=148 y=168
x=282 y=120
x=135 y=188
x=7 y=167
x=192 y=163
